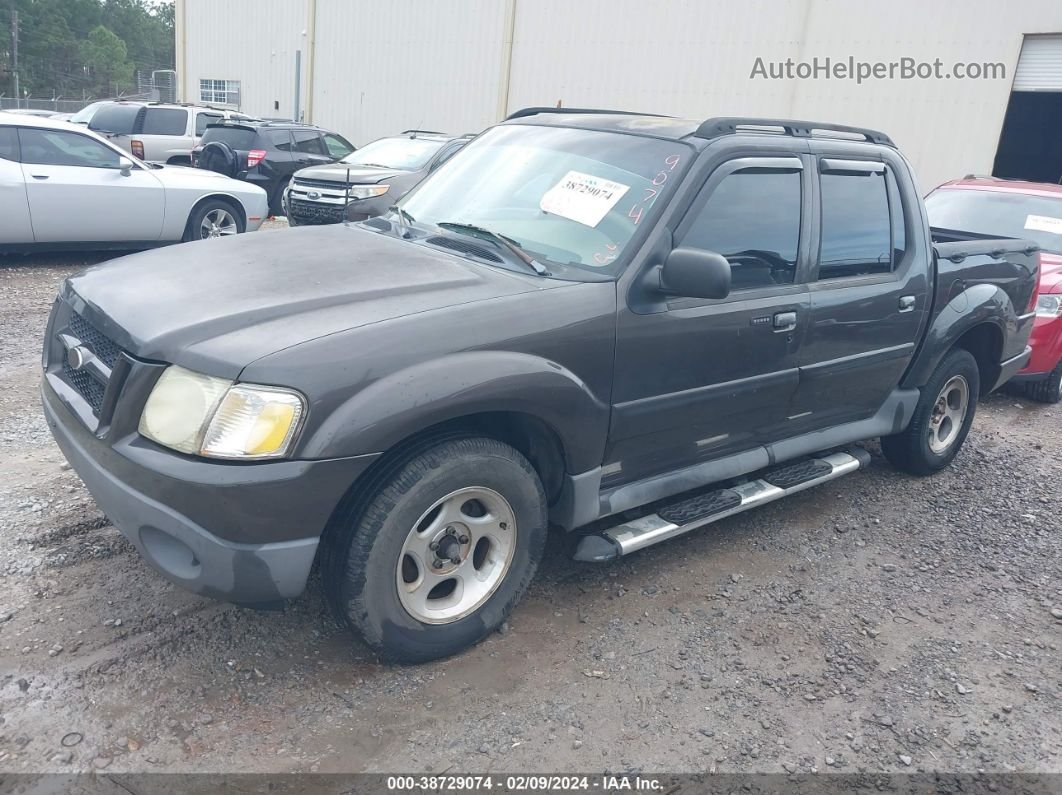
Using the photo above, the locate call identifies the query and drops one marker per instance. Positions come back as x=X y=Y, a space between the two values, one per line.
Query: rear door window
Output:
x=279 y=139
x=165 y=121
x=856 y=230
x=115 y=119
x=309 y=142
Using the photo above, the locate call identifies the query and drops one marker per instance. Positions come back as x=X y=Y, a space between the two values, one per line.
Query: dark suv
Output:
x=369 y=181
x=267 y=153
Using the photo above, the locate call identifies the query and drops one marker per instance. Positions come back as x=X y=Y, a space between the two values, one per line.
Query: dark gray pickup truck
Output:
x=625 y=326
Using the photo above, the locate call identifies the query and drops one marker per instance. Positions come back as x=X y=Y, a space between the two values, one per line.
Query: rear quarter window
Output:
x=115 y=119
x=8 y=143
x=235 y=137
x=165 y=121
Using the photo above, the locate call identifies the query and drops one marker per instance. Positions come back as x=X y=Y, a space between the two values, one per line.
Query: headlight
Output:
x=1049 y=306
x=368 y=191
x=201 y=415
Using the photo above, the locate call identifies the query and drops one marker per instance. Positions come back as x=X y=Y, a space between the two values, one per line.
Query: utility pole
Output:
x=14 y=55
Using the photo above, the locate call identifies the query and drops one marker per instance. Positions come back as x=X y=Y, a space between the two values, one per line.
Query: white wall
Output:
x=380 y=67
x=253 y=41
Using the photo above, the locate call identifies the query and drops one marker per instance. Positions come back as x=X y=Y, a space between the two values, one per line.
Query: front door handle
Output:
x=785 y=321
x=39 y=176
x=907 y=303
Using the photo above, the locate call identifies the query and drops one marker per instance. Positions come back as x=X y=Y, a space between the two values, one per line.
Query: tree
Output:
x=106 y=59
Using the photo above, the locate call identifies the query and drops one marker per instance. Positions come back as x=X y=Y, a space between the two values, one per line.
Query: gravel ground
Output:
x=880 y=623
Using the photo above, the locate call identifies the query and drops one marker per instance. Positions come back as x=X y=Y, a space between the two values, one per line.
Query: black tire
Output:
x=910 y=450
x=364 y=550
x=193 y=229
x=276 y=199
x=1049 y=390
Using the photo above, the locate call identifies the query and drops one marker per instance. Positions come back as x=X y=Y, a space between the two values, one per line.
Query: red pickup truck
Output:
x=1029 y=210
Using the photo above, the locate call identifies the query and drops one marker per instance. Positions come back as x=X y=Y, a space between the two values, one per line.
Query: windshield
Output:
x=1000 y=213
x=569 y=196
x=404 y=154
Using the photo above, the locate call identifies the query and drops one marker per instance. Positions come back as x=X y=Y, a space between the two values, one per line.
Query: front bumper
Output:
x=328 y=209
x=163 y=502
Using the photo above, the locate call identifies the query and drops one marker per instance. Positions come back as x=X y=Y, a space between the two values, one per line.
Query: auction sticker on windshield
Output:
x=583 y=198
x=1044 y=223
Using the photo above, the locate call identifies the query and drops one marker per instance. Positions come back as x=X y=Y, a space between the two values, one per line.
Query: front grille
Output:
x=90 y=381
x=462 y=247
x=322 y=183
x=95 y=340
x=86 y=385
x=311 y=212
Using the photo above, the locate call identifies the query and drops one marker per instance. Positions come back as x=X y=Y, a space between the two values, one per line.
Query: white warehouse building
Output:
x=962 y=86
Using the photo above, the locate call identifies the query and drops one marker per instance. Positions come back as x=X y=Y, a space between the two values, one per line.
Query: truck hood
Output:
x=1050 y=273
x=215 y=306
x=337 y=172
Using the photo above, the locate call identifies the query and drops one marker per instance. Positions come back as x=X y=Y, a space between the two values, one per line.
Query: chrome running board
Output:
x=684 y=514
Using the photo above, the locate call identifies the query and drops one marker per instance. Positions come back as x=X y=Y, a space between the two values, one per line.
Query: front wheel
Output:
x=442 y=550
x=942 y=418
x=212 y=219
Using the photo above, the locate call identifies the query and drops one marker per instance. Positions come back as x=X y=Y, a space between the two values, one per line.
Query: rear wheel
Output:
x=942 y=418
x=213 y=219
x=1049 y=390
x=441 y=551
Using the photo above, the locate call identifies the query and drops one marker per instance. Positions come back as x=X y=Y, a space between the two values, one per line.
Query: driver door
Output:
x=78 y=194
x=709 y=378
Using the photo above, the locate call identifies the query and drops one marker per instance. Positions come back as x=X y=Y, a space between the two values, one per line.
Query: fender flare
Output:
x=404 y=403
x=978 y=305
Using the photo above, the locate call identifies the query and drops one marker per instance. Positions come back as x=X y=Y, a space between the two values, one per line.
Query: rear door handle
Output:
x=39 y=176
x=907 y=303
x=785 y=321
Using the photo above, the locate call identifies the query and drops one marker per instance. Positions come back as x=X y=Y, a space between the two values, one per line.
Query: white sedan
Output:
x=62 y=185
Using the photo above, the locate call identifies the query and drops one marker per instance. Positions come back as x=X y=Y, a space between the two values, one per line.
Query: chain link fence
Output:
x=159 y=85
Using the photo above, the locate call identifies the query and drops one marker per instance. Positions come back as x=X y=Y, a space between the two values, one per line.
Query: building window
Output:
x=220 y=92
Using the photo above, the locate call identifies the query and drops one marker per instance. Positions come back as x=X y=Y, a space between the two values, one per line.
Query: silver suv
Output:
x=162 y=133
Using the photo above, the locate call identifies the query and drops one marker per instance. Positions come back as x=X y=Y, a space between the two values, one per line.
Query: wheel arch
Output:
x=234 y=204
x=973 y=321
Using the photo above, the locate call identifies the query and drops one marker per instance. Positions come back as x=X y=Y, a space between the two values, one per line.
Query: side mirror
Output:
x=693 y=273
x=125 y=166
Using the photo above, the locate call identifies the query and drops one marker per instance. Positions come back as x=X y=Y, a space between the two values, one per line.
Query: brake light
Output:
x=137 y=148
x=255 y=156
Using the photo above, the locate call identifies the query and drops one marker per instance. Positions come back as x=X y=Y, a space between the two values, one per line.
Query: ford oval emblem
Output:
x=312 y=195
x=78 y=357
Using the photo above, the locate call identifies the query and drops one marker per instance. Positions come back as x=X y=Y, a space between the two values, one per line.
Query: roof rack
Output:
x=524 y=112
x=729 y=125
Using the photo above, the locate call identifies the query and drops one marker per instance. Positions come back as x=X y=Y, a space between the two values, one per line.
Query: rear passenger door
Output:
x=868 y=287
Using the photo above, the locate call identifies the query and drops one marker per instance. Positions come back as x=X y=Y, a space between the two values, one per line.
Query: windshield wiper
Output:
x=507 y=242
x=404 y=219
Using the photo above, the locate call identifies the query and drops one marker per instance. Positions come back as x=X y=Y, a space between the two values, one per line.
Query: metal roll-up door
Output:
x=1040 y=64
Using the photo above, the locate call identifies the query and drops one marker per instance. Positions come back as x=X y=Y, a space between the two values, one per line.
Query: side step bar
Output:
x=682 y=515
